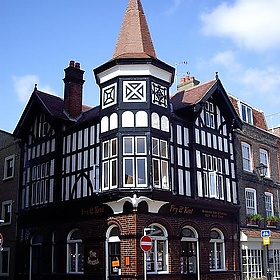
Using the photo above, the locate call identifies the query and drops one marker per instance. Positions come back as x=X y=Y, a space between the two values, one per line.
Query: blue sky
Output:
x=238 y=38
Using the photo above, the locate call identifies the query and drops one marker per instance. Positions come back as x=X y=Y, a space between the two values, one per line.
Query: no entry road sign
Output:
x=146 y=243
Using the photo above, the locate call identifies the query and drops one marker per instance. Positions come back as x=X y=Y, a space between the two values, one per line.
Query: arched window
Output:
x=189 y=251
x=104 y=124
x=75 y=252
x=157 y=258
x=155 y=121
x=141 y=119
x=113 y=251
x=217 y=250
x=36 y=255
x=127 y=119
x=113 y=121
x=164 y=124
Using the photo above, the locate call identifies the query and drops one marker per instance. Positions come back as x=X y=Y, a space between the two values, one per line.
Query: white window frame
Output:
x=213 y=176
x=269 y=207
x=195 y=240
x=252 y=263
x=160 y=156
x=209 y=114
x=155 y=256
x=107 y=163
x=214 y=243
x=6 y=168
x=135 y=156
x=246 y=113
x=246 y=157
x=264 y=158
x=110 y=239
x=251 y=204
x=9 y=203
x=77 y=243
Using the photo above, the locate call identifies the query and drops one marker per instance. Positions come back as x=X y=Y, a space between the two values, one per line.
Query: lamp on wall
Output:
x=262 y=171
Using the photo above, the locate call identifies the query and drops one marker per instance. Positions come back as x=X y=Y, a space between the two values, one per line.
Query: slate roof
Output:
x=54 y=107
x=134 y=39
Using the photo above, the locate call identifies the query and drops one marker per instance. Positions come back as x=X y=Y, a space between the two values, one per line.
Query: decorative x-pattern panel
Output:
x=159 y=95
x=134 y=91
x=109 y=96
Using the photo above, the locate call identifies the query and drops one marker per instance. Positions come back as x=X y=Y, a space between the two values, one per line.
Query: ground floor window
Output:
x=274 y=262
x=189 y=251
x=217 y=250
x=75 y=252
x=113 y=251
x=252 y=263
x=36 y=255
x=4 y=261
x=157 y=258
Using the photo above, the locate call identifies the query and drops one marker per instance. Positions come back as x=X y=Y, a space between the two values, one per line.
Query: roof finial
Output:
x=217 y=75
x=35 y=87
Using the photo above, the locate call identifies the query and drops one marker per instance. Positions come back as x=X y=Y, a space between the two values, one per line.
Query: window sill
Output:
x=218 y=270
x=8 y=178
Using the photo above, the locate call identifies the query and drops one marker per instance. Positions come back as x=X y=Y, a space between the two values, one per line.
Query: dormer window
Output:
x=246 y=113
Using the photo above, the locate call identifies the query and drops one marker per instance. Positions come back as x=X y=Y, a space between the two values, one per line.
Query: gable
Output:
x=190 y=102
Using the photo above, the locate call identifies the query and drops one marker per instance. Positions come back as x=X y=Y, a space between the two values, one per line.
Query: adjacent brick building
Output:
x=9 y=170
x=259 y=197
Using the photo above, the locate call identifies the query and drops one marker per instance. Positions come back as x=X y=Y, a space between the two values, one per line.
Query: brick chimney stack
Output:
x=187 y=83
x=73 y=89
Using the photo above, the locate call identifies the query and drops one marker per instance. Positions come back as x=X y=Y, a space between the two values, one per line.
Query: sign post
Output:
x=146 y=245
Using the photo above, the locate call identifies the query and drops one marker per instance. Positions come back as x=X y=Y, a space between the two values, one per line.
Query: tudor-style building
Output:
x=94 y=180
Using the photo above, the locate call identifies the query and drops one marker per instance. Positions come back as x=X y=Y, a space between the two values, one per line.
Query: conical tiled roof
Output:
x=134 y=40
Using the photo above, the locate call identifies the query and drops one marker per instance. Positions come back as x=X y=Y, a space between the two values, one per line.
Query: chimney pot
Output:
x=73 y=87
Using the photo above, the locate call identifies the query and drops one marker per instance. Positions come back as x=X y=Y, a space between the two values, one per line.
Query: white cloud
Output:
x=174 y=7
x=250 y=81
x=226 y=59
x=253 y=24
x=24 y=86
